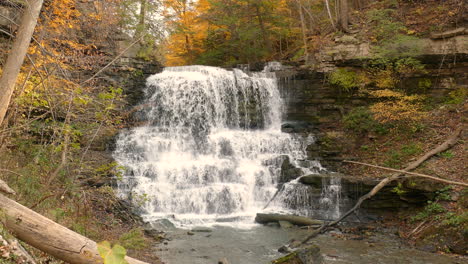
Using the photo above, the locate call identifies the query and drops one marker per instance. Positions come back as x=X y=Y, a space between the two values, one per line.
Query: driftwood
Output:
x=293 y=219
x=48 y=236
x=450 y=142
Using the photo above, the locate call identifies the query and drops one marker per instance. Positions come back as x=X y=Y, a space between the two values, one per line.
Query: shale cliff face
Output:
x=310 y=98
x=313 y=105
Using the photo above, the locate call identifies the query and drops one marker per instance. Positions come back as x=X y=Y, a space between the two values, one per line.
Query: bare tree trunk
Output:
x=266 y=41
x=140 y=29
x=17 y=54
x=327 y=4
x=304 y=30
x=50 y=237
x=344 y=15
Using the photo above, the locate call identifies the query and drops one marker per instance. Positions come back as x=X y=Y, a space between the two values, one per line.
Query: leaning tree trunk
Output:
x=17 y=54
x=48 y=236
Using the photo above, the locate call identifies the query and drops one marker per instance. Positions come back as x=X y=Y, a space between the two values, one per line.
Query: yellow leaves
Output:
x=385 y=79
x=386 y=93
x=397 y=107
x=400 y=111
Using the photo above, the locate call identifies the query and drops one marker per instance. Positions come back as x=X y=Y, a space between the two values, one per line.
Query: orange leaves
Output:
x=62 y=14
x=189 y=31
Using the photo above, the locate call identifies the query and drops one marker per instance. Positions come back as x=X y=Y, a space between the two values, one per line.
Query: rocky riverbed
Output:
x=259 y=244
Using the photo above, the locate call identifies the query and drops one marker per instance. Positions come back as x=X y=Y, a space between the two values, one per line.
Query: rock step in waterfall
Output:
x=213 y=149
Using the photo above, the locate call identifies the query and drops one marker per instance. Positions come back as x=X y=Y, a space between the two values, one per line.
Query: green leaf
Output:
x=114 y=255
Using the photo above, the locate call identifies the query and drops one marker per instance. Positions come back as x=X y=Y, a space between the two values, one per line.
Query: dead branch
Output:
x=450 y=142
x=12 y=172
x=5 y=188
x=409 y=173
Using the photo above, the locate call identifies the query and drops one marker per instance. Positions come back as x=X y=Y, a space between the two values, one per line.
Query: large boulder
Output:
x=411 y=192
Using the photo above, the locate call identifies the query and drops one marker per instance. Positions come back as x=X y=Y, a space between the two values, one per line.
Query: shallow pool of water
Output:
x=259 y=245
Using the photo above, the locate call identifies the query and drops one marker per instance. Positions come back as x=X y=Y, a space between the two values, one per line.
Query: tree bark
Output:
x=304 y=31
x=261 y=24
x=344 y=15
x=16 y=56
x=50 y=237
x=141 y=27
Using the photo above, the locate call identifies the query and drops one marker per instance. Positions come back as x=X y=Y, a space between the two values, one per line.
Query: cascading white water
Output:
x=212 y=148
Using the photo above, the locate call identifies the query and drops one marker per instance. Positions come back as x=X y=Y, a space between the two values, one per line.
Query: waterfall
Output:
x=211 y=149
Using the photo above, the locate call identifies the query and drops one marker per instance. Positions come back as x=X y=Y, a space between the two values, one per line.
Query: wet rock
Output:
x=423 y=185
x=161 y=224
x=284 y=249
x=316 y=179
x=153 y=233
x=386 y=198
x=308 y=255
x=285 y=224
x=289 y=172
x=273 y=224
x=201 y=229
x=297 y=127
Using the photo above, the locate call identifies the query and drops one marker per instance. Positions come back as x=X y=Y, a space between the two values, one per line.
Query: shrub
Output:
x=432 y=208
x=458 y=96
x=361 y=120
x=134 y=239
x=344 y=79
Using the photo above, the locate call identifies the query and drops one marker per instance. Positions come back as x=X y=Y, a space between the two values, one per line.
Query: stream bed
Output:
x=259 y=244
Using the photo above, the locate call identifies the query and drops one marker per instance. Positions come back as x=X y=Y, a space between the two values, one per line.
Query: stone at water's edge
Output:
x=285 y=224
x=316 y=179
x=352 y=188
x=289 y=172
x=308 y=255
x=293 y=219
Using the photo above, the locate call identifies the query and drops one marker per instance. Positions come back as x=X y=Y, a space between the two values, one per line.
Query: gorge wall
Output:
x=313 y=105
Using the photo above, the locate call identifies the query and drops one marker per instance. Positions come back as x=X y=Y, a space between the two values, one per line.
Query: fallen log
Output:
x=450 y=142
x=449 y=33
x=48 y=236
x=293 y=219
